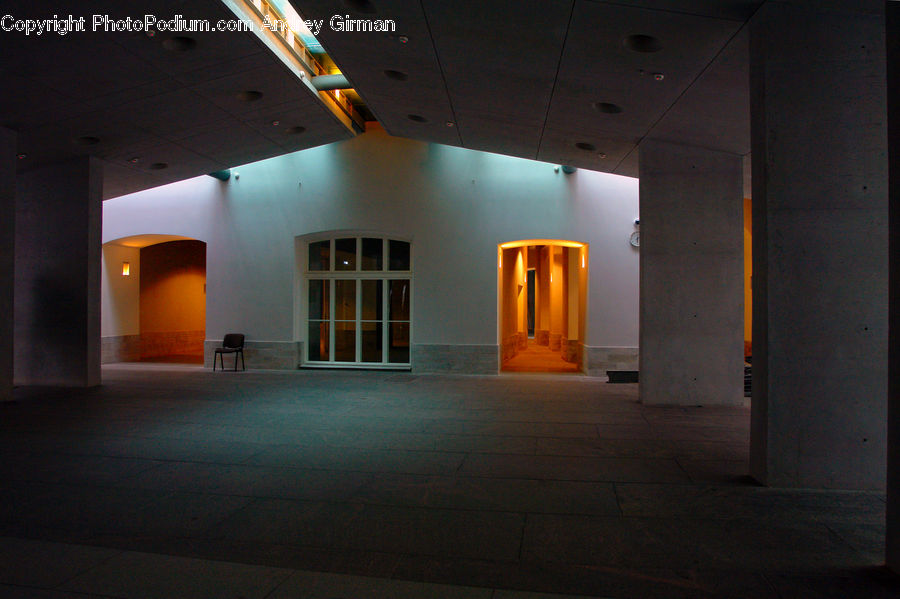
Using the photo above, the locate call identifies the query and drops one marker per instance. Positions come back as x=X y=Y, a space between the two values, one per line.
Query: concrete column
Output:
x=692 y=269
x=893 y=458
x=7 y=262
x=820 y=261
x=57 y=297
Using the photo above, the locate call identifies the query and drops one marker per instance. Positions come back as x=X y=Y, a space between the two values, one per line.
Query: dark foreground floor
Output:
x=173 y=481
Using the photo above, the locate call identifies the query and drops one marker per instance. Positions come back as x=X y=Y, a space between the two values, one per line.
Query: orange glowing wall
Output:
x=173 y=297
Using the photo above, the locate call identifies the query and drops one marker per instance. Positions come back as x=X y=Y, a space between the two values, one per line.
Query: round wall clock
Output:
x=635 y=239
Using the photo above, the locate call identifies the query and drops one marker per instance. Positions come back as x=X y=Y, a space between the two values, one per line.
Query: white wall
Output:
x=455 y=205
x=120 y=296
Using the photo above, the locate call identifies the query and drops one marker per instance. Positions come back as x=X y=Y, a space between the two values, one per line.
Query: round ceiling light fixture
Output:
x=21 y=156
x=248 y=96
x=607 y=107
x=179 y=43
x=583 y=145
x=639 y=42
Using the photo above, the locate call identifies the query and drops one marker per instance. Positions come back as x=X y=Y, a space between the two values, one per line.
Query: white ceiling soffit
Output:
x=552 y=81
x=155 y=109
x=142 y=241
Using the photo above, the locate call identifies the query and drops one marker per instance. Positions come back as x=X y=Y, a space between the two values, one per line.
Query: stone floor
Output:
x=538 y=358
x=176 y=482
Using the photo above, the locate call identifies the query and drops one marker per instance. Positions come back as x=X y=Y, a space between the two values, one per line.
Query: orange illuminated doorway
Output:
x=542 y=287
x=153 y=299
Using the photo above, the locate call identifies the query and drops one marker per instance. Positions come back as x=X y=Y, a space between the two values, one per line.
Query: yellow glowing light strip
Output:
x=526 y=242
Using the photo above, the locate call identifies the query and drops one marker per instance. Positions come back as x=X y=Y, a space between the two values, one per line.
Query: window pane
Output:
x=345 y=300
x=398 y=343
x=319 y=252
x=371 y=300
x=318 y=299
x=371 y=341
x=399 y=298
x=399 y=253
x=345 y=342
x=318 y=341
x=371 y=253
x=345 y=254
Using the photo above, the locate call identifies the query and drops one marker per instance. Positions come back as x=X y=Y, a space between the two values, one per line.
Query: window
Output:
x=358 y=302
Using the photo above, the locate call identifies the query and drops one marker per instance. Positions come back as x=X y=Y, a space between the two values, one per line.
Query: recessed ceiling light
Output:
x=363 y=6
x=21 y=156
x=297 y=130
x=403 y=39
x=180 y=43
x=450 y=124
x=134 y=160
x=276 y=123
x=248 y=96
x=396 y=75
x=87 y=140
x=642 y=43
x=583 y=145
x=158 y=166
x=658 y=76
x=608 y=107
x=417 y=118
x=601 y=155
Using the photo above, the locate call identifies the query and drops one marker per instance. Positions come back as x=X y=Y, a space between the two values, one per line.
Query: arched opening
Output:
x=542 y=293
x=153 y=299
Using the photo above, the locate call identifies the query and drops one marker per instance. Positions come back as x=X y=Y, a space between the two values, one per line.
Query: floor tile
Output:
x=46 y=564
x=502 y=494
x=314 y=585
x=574 y=468
x=148 y=576
x=392 y=529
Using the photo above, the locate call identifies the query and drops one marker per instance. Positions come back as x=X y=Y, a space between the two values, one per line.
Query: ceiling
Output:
x=549 y=80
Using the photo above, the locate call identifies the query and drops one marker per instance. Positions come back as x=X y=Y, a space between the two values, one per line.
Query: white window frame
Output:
x=358 y=275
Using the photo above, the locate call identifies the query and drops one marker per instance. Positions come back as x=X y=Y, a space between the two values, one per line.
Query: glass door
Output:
x=358 y=302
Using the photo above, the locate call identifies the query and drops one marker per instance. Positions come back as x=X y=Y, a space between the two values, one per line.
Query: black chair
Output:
x=232 y=344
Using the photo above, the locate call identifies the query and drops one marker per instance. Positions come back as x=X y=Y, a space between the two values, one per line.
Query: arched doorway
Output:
x=542 y=293
x=153 y=299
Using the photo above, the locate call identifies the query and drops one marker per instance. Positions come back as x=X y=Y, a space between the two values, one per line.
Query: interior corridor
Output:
x=539 y=358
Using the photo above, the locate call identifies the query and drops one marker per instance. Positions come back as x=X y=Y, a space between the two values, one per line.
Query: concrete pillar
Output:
x=57 y=297
x=692 y=285
x=7 y=262
x=893 y=458
x=820 y=262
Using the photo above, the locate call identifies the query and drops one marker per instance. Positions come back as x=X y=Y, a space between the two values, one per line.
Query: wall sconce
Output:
x=126 y=269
